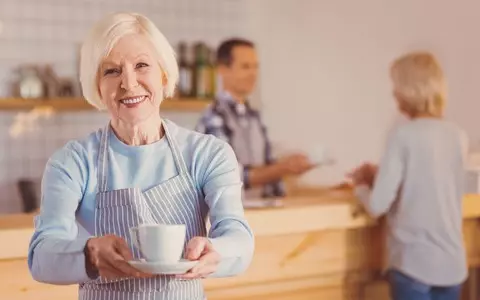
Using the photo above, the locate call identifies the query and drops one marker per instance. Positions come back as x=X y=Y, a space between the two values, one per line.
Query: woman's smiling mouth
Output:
x=133 y=101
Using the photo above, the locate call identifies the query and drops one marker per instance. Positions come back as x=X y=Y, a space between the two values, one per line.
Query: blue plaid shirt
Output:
x=213 y=122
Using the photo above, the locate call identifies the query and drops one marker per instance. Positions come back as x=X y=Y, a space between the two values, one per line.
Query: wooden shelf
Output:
x=79 y=104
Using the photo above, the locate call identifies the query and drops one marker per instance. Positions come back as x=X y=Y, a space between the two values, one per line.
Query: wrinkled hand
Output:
x=364 y=174
x=201 y=249
x=295 y=164
x=109 y=255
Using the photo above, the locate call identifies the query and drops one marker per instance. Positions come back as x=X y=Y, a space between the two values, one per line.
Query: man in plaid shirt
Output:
x=232 y=119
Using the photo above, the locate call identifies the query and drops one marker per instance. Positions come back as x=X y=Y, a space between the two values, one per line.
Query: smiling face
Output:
x=241 y=75
x=130 y=80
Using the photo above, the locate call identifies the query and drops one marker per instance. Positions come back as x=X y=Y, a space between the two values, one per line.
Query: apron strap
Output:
x=102 y=172
x=177 y=155
x=244 y=150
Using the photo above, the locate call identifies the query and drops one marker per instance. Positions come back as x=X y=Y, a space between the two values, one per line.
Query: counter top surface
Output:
x=306 y=200
x=331 y=204
x=320 y=209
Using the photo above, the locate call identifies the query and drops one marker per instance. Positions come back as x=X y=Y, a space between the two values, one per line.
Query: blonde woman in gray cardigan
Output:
x=418 y=185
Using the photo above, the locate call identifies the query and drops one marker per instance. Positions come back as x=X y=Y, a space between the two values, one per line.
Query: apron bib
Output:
x=248 y=142
x=175 y=201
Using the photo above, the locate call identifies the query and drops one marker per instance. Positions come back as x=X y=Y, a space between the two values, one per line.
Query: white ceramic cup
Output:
x=159 y=242
x=320 y=155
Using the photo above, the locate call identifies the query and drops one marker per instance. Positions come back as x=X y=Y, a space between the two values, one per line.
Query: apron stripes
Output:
x=175 y=201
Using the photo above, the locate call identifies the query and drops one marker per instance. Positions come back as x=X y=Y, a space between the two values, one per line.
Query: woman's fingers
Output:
x=110 y=255
x=207 y=264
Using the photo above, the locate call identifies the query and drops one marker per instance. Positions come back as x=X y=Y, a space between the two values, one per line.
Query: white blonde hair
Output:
x=418 y=78
x=103 y=37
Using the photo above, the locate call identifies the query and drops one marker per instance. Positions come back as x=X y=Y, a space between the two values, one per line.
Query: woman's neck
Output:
x=146 y=132
x=424 y=116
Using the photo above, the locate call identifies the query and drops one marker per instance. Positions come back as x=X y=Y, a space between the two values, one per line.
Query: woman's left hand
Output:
x=201 y=249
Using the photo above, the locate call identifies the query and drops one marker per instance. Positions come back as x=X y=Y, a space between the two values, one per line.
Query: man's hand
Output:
x=295 y=164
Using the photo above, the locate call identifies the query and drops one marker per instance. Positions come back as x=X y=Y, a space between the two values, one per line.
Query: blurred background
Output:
x=323 y=65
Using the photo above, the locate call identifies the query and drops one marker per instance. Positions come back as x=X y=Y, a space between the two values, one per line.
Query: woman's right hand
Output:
x=364 y=174
x=109 y=256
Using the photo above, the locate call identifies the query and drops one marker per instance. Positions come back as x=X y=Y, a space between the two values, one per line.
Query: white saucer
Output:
x=166 y=268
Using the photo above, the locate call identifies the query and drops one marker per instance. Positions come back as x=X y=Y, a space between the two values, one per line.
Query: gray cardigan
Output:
x=419 y=186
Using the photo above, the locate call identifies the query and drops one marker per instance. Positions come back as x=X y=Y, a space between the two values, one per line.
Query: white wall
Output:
x=50 y=31
x=324 y=69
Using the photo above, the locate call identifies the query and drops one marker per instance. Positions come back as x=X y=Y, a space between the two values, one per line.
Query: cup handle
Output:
x=134 y=237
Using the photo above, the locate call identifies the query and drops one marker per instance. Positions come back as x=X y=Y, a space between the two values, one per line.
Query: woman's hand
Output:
x=364 y=174
x=201 y=249
x=342 y=186
x=109 y=256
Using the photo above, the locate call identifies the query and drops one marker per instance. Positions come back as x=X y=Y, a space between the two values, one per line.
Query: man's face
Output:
x=240 y=77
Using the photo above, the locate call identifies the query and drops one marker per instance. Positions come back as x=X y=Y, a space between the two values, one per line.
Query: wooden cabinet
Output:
x=17 y=284
x=329 y=264
x=313 y=248
x=317 y=265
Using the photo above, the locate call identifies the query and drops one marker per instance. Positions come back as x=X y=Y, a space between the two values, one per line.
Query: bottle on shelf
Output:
x=202 y=73
x=216 y=78
x=185 y=82
x=212 y=91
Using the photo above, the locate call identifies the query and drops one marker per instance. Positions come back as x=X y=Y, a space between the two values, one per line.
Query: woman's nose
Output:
x=129 y=80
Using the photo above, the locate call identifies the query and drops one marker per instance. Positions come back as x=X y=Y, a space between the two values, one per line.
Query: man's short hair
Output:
x=225 y=50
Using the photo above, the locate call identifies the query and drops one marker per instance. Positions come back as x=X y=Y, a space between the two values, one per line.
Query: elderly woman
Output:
x=139 y=167
x=418 y=186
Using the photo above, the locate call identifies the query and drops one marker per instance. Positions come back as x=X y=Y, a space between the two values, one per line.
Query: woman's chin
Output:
x=134 y=117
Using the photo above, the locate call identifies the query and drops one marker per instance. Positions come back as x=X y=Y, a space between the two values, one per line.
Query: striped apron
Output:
x=175 y=201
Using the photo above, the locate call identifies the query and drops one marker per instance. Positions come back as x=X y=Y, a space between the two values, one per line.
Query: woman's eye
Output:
x=110 y=71
x=141 y=65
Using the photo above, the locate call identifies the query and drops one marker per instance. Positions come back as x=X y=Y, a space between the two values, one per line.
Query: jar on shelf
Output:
x=30 y=84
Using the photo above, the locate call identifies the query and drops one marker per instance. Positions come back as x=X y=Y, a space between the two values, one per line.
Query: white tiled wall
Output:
x=50 y=31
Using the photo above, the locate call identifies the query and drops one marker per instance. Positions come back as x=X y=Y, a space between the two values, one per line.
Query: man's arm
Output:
x=272 y=171
x=261 y=175
x=213 y=124
x=294 y=164
x=254 y=176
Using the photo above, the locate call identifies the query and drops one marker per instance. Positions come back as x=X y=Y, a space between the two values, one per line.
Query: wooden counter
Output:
x=315 y=247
